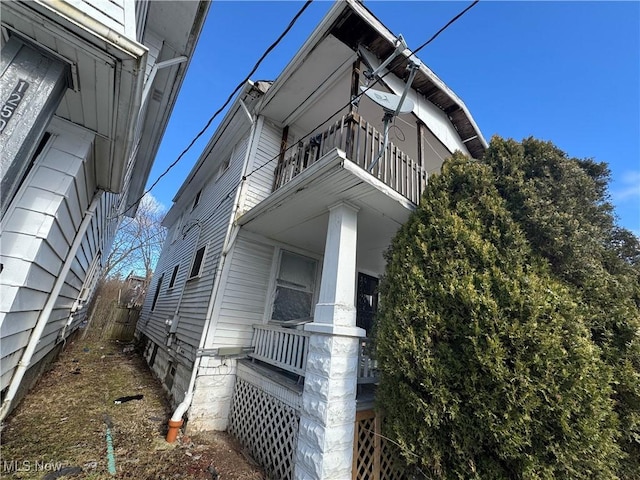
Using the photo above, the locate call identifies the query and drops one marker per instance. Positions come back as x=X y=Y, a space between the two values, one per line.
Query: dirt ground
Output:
x=59 y=429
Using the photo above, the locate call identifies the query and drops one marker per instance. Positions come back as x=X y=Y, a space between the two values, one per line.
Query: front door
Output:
x=366 y=301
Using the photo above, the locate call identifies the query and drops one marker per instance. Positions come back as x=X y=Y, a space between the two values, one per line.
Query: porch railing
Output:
x=361 y=142
x=287 y=349
x=281 y=347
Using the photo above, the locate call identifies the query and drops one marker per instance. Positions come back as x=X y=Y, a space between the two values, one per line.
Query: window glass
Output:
x=196 y=201
x=197 y=263
x=174 y=274
x=295 y=286
x=297 y=271
x=157 y=293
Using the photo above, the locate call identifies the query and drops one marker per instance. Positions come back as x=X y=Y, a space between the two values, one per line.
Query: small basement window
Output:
x=295 y=286
x=197 y=263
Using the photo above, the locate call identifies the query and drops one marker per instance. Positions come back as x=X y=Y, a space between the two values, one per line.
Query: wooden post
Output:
x=420 y=160
x=377 y=445
x=283 y=150
x=355 y=82
x=420 y=136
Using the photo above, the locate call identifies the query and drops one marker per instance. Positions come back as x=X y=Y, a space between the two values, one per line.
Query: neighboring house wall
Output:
x=118 y=15
x=101 y=117
x=38 y=231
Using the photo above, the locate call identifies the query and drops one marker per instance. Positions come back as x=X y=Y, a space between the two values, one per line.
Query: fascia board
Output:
x=385 y=33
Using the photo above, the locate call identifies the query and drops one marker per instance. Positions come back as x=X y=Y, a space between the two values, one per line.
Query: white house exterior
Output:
x=87 y=89
x=257 y=316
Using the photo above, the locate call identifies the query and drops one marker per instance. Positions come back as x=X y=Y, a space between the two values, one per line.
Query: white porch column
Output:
x=325 y=441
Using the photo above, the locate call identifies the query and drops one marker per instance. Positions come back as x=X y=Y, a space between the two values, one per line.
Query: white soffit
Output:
x=329 y=56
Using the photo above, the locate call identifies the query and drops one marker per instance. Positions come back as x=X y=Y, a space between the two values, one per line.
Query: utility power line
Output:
x=224 y=105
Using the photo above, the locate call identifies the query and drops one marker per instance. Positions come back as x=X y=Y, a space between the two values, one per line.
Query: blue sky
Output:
x=568 y=72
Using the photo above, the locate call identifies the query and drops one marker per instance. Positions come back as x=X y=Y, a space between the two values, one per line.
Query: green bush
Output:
x=507 y=343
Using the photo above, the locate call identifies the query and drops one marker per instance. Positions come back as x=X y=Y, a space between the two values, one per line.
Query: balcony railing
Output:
x=287 y=348
x=361 y=142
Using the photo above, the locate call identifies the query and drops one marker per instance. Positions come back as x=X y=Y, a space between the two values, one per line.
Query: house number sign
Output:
x=12 y=103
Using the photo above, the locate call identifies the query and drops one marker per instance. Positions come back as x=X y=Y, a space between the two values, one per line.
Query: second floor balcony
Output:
x=363 y=144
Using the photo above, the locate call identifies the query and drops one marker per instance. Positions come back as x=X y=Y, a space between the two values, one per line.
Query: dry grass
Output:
x=62 y=420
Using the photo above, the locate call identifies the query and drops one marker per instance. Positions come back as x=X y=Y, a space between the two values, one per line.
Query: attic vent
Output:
x=156 y=95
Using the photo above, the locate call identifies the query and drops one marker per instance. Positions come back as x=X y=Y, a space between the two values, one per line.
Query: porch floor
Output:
x=365 y=397
x=281 y=377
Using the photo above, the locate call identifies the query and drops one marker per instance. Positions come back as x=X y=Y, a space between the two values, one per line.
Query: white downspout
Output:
x=181 y=409
x=45 y=313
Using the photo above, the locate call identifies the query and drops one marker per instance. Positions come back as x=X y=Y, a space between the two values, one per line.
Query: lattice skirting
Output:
x=372 y=457
x=267 y=427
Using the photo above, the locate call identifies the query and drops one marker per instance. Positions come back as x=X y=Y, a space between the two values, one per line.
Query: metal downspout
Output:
x=45 y=313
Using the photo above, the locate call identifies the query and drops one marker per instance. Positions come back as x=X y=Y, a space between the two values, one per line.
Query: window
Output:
x=196 y=201
x=157 y=293
x=178 y=229
x=221 y=169
x=197 y=263
x=174 y=274
x=295 y=286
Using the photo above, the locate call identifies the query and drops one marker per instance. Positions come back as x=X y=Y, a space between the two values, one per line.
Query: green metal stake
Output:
x=111 y=458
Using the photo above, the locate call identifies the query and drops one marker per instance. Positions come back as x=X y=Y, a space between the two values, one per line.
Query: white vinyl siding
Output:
x=187 y=302
x=112 y=13
x=260 y=185
x=244 y=293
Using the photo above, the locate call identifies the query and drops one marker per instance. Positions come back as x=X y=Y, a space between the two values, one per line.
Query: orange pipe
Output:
x=174 y=427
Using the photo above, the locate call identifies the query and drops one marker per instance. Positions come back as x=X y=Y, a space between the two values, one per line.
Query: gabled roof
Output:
x=354 y=25
x=358 y=26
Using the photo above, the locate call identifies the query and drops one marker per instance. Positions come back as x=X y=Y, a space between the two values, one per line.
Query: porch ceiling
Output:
x=297 y=214
x=326 y=66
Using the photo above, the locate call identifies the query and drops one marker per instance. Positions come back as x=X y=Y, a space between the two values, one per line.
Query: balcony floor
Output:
x=297 y=213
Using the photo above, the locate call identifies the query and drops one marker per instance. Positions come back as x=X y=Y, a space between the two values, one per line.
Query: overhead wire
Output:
x=224 y=105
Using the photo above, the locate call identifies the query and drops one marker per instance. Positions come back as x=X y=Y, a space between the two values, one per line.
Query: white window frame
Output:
x=197 y=199
x=273 y=282
x=205 y=248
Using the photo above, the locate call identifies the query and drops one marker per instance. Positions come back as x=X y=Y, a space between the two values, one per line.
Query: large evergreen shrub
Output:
x=508 y=347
